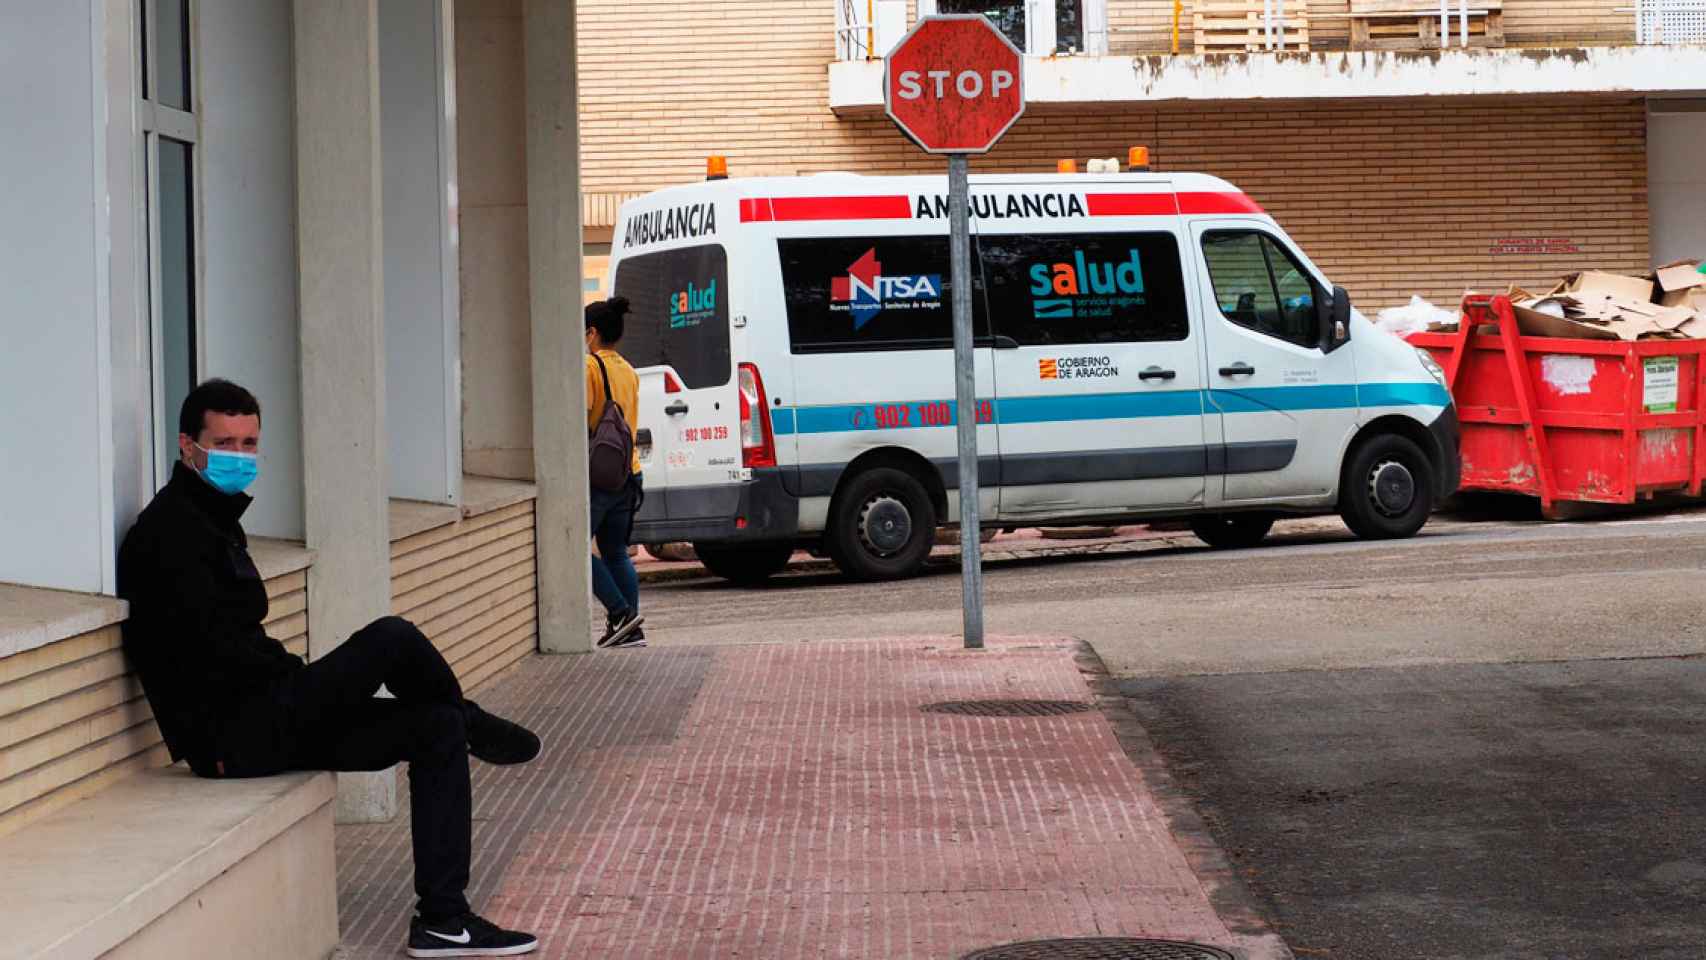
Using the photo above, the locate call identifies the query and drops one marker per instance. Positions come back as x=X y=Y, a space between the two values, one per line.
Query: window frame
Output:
x=157 y=121
x=1267 y=243
x=1042 y=18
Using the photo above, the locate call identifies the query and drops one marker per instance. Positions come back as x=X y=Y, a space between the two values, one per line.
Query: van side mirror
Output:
x=1334 y=313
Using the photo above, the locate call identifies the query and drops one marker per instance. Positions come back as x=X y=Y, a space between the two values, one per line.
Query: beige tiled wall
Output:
x=73 y=718
x=470 y=586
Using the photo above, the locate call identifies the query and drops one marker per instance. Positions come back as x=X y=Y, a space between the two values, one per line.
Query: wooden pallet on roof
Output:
x=1237 y=26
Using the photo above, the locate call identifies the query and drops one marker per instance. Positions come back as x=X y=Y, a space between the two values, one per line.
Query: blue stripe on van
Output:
x=1403 y=395
x=848 y=418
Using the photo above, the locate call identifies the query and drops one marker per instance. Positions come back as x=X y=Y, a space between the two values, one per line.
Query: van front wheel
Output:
x=881 y=526
x=1387 y=490
x=748 y=564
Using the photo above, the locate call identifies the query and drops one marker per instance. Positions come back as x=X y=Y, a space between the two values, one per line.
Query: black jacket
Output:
x=196 y=607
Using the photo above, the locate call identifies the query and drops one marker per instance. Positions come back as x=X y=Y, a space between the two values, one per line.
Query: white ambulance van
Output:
x=1148 y=346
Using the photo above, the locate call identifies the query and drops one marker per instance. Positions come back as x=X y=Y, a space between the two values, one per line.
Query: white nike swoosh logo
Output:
x=463 y=938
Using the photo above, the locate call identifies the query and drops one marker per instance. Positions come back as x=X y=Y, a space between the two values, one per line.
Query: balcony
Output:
x=1119 y=51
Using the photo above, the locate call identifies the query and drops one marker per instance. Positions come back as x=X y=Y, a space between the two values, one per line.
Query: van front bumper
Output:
x=756 y=511
x=1449 y=438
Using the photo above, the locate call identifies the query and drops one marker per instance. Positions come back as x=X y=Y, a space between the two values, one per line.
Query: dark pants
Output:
x=326 y=717
x=615 y=582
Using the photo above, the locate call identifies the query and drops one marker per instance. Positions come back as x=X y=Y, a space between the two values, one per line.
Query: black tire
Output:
x=881 y=526
x=747 y=564
x=1387 y=489
x=1232 y=531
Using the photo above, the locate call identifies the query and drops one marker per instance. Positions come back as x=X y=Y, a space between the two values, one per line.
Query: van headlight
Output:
x=1431 y=365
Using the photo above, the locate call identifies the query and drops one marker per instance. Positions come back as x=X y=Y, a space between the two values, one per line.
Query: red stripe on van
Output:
x=841 y=208
x=1131 y=204
x=1218 y=203
x=755 y=209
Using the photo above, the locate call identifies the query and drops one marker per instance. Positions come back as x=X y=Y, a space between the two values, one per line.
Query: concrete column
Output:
x=559 y=372
x=339 y=228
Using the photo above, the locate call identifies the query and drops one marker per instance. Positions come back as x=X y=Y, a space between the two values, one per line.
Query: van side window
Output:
x=849 y=294
x=1085 y=288
x=1257 y=284
x=678 y=313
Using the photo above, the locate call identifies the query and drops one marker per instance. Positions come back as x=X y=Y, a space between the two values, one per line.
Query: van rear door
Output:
x=678 y=337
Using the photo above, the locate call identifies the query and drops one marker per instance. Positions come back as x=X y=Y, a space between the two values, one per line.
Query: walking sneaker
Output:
x=496 y=740
x=618 y=626
x=467 y=936
x=633 y=641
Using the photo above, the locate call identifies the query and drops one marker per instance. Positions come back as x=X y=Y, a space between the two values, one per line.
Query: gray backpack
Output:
x=609 y=444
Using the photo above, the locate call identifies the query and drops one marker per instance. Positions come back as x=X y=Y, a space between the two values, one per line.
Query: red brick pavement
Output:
x=794 y=801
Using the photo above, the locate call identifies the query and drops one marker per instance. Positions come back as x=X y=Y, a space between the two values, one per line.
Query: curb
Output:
x=1227 y=893
x=948 y=557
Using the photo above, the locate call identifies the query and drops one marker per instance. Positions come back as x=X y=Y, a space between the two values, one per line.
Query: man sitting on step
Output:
x=235 y=703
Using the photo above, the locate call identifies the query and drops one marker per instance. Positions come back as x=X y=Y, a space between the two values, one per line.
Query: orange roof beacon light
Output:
x=1066 y=166
x=1138 y=159
x=716 y=167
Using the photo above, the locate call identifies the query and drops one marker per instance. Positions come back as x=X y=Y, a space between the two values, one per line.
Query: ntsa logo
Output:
x=866 y=291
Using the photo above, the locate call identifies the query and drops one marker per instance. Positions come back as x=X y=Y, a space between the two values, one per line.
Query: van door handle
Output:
x=1156 y=373
x=676 y=409
x=1239 y=369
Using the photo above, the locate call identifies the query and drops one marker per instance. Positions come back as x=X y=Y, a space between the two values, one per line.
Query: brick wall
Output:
x=73 y=718
x=1390 y=198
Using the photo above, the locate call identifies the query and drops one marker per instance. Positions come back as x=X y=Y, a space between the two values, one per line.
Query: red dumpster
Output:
x=1600 y=421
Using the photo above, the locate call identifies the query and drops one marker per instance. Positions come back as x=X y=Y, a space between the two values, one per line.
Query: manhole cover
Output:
x=1008 y=708
x=1100 y=948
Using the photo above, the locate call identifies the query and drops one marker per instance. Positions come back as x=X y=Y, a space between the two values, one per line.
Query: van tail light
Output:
x=670 y=384
x=757 y=439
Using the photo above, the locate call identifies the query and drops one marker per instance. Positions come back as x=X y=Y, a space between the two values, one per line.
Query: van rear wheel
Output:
x=881 y=526
x=1232 y=531
x=1387 y=491
x=744 y=564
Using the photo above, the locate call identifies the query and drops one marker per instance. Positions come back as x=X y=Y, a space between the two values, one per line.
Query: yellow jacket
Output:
x=624 y=389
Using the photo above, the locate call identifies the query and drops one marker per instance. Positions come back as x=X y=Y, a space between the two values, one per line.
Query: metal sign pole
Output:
x=965 y=397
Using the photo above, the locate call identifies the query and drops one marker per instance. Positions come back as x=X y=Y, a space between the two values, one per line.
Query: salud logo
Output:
x=1061 y=291
x=693 y=306
x=865 y=291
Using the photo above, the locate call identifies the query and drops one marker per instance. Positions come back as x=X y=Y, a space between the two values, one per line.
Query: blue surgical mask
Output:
x=228 y=471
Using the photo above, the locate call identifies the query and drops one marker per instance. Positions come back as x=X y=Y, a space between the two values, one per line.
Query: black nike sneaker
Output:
x=618 y=626
x=496 y=740
x=467 y=936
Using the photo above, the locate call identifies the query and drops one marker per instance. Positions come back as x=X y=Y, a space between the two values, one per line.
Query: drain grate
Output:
x=1009 y=708
x=1100 y=948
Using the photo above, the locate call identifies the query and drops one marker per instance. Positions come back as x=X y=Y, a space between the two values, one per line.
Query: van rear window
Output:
x=872 y=293
x=678 y=313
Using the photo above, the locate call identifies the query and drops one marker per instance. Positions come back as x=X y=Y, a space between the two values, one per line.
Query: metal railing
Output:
x=1670 y=21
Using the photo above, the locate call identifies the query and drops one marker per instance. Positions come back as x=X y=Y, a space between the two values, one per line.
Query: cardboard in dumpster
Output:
x=1596 y=285
x=1679 y=283
x=1548 y=316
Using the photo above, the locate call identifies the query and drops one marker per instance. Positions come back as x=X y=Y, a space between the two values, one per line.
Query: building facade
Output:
x=1555 y=140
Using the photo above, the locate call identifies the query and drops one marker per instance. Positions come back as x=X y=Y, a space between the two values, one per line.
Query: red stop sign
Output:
x=954 y=84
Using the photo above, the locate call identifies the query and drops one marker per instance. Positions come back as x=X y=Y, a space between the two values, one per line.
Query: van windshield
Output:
x=678 y=313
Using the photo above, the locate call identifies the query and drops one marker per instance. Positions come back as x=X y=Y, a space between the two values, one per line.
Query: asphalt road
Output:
x=1461 y=812
x=1313 y=597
